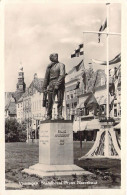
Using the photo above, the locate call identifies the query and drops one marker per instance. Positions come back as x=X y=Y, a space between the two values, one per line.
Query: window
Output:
x=115 y=112
x=75 y=104
x=20 y=73
x=68 y=97
x=67 y=105
x=115 y=105
x=71 y=96
x=119 y=109
x=86 y=111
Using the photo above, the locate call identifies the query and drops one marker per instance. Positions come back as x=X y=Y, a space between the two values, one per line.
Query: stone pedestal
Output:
x=55 y=150
x=56 y=143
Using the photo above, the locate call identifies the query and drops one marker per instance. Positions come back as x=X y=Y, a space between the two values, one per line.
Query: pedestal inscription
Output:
x=56 y=143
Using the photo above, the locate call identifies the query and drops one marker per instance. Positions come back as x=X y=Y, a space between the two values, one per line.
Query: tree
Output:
x=14 y=131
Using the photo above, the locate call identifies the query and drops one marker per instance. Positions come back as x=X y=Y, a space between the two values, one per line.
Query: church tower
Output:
x=21 y=86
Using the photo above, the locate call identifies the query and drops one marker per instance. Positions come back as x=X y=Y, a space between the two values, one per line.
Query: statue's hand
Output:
x=56 y=88
x=45 y=90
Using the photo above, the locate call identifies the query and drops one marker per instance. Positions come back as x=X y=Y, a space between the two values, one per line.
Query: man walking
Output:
x=54 y=84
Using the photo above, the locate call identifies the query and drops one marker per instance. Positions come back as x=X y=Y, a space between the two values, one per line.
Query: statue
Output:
x=54 y=84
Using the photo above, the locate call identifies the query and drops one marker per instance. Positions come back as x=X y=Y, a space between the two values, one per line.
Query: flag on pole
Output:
x=115 y=60
x=78 y=51
x=102 y=28
x=73 y=54
x=77 y=68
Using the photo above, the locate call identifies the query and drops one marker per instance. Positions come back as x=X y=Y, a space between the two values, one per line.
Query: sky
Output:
x=35 y=30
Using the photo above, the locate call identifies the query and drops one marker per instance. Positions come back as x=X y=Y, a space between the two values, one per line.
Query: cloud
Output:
x=33 y=31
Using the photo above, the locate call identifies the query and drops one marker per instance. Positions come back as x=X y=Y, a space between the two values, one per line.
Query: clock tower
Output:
x=21 y=86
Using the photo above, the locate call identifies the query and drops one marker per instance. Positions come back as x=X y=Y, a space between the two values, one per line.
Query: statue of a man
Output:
x=54 y=84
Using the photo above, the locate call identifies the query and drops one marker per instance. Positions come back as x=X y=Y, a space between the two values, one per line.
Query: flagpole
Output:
x=105 y=33
x=107 y=53
x=105 y=145
x=83 y=52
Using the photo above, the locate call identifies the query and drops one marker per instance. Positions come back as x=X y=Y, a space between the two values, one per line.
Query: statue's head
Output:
x=54 y=57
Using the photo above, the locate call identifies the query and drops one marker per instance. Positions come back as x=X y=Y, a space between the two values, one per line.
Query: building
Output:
x=86 y=98
x=11 y=98
x=19 y=110
x=33 y=111
x=79 y=84
x=20 y=86
x=10 y=108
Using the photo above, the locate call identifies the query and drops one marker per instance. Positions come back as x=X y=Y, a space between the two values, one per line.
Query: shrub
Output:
x=14 y=131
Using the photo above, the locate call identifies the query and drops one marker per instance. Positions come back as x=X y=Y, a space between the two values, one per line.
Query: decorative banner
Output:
x=113 y=61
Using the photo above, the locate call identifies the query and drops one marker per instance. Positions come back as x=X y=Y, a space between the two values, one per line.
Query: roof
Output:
x=91 y=79
x=71 y=81
x=37 y=83
x=72 y=87
x=20 y=100
x=11 y=107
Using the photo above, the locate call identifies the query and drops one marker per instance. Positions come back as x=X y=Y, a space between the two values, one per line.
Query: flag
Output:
x=77 y=68
x=81 y=49
x=102 y=28
x=78 y=51
x=73 y=55
x=113 y=61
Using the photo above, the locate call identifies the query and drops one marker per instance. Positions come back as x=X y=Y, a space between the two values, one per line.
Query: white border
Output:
x=123 y=104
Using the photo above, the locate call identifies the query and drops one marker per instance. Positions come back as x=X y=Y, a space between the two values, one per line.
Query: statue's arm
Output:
x=46 y=79
x=61 y=76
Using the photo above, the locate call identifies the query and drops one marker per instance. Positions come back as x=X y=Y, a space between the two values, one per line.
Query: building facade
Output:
x=19 y=110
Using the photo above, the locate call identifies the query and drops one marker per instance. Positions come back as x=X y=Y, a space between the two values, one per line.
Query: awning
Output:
x=93 y=124
x=76 y=126
x=115 y=60
x=86 y=125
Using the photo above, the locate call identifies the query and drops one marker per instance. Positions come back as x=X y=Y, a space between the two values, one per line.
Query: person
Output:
x=54 y=84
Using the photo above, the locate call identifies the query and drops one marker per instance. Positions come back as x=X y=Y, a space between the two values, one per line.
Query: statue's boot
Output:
x=60 y=117
x=49 y=118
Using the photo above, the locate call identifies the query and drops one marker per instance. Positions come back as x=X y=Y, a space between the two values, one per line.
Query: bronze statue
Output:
x=54 y=84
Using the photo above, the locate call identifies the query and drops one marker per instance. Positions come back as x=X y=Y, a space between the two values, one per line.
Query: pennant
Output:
x=113 y=61
x=102 y=28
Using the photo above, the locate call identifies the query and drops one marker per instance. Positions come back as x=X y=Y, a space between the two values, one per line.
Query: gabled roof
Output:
x=37 y=83
x=20 y=100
